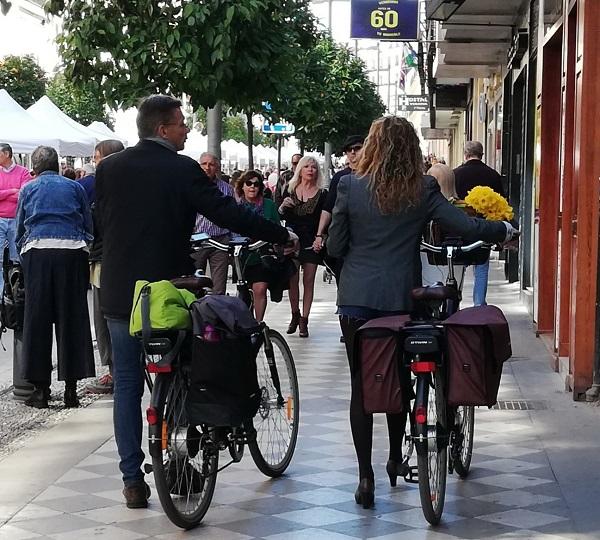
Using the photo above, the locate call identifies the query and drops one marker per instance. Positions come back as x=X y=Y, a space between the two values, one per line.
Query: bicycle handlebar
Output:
x=464 y=249
x=203 y=241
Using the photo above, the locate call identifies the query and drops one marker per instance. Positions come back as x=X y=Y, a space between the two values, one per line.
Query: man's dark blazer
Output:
x=382 y=262
x=475 y=172
x=147 y=198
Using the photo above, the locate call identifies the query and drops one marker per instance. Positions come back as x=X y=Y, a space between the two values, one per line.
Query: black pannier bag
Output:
x=378 y=354
x=12 y=303
x=224 y=388
x=478 y=344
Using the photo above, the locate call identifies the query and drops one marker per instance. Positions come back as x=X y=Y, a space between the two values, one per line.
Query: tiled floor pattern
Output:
x=511 y=493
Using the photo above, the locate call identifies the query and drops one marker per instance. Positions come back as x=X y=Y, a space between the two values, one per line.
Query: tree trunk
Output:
x=214 y=129
x=250 y=129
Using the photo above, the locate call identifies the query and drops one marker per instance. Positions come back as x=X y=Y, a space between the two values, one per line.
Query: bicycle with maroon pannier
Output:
x=445 y=362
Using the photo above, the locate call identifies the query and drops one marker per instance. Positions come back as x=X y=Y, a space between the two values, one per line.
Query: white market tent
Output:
x=20 y=130
x=74 y=139
x=104 y=133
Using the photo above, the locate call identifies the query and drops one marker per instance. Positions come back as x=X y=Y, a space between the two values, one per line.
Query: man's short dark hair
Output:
x=154 y=111
x=44 y=158
x=5 y=147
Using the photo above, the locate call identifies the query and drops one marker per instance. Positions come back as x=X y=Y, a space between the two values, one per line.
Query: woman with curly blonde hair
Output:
x=379 y=218
x=301 y=208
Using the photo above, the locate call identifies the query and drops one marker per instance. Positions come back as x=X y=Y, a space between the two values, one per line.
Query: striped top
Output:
x=204 y=225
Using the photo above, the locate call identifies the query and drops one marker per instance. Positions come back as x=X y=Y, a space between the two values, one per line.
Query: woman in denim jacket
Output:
x=54 y=227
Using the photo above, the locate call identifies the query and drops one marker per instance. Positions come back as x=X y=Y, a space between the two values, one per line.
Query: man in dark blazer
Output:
x=147 y=198
x=474 y=172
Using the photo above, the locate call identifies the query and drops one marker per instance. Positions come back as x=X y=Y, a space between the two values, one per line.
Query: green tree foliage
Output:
x=330 y=98
x=234 y=127
x=23 y=79
x=240 y=51
x=81 y=103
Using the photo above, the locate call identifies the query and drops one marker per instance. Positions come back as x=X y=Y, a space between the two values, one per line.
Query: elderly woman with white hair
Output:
x=301 y=208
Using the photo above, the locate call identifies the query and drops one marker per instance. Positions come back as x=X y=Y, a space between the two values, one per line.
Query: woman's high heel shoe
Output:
x=365 y=493
x=293 y=326
x=395 y=469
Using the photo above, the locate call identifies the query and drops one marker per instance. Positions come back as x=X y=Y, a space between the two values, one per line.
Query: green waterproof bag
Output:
x=169 y=307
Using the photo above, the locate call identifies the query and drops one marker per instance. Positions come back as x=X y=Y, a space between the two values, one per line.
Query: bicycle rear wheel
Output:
x=276 y=422
x=432 y=445
x=185 y=464
x=462 y=449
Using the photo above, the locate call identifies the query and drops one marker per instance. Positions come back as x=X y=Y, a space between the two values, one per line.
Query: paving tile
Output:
x=309 y=534
x=13 y=532
x=101 y=532
x=516 y=498
x=316 y=516
x=522 y=518
x=77 y=504
x=206 y=533
x=56 y=524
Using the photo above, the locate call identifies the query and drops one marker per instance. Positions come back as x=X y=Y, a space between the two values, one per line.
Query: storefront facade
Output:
x=533 y=102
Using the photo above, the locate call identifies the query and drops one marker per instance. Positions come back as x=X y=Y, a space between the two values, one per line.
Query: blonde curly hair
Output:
x=392 y=159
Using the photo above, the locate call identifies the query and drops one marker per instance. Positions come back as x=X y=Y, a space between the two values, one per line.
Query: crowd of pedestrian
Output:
x=131 y=218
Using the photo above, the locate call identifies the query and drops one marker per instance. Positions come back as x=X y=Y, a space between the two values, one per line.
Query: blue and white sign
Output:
x=281 y=128
x=395 y=20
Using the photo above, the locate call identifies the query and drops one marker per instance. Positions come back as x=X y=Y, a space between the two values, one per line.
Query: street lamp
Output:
x=442 y=10
x=5 y=6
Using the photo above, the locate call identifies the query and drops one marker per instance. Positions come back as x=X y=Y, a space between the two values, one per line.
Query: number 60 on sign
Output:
x=395 y=20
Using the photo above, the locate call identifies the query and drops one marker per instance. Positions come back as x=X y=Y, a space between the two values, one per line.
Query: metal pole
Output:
x=389 y=82
x=378 y=58
x=279 y=154
x=330 y=17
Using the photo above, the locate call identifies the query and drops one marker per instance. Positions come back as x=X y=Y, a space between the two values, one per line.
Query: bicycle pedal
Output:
x=412 y=477
x=148 y=468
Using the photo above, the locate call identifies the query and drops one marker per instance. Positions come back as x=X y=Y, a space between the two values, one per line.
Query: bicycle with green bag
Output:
x=185 y=456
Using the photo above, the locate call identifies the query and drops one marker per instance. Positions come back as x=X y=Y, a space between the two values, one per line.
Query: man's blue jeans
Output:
x=480 y=273
x=128 y=379
x=8 y=230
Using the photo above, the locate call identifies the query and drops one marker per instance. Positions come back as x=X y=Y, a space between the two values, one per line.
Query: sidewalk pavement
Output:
x=534 y=472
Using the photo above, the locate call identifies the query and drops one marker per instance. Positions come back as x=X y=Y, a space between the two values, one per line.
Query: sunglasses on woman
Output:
x=252 y=183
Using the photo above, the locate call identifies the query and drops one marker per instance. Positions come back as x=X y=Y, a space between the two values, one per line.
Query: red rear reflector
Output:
x=421 y=415
x=152 y=416
x=423 y=367
x=155 y=368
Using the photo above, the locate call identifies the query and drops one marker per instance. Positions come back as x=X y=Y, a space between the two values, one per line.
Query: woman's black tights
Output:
x=362 y=423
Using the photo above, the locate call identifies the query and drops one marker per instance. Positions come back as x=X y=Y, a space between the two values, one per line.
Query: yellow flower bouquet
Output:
x=486 y=202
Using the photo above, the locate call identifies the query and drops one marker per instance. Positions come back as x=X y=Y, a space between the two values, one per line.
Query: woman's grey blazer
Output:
x=381 y=252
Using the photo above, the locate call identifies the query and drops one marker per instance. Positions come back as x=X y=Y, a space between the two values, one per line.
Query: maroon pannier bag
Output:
x=377 y=353
x=478 y=344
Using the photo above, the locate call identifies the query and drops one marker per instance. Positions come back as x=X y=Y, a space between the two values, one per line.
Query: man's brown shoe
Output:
x=136 y=496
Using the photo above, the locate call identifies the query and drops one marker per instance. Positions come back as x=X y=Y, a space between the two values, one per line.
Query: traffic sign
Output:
x=281 y=128
x=414 y=103
x=395 y=20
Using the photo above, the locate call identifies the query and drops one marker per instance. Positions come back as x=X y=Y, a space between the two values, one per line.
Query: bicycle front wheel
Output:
x=184 y=458
x=462 y=450
x=432 y=445
x=276 y=422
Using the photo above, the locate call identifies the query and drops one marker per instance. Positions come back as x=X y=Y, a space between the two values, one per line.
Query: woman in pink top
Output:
x=12 y=178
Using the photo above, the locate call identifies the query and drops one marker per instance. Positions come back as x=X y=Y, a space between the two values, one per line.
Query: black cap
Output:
x=351 y=141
